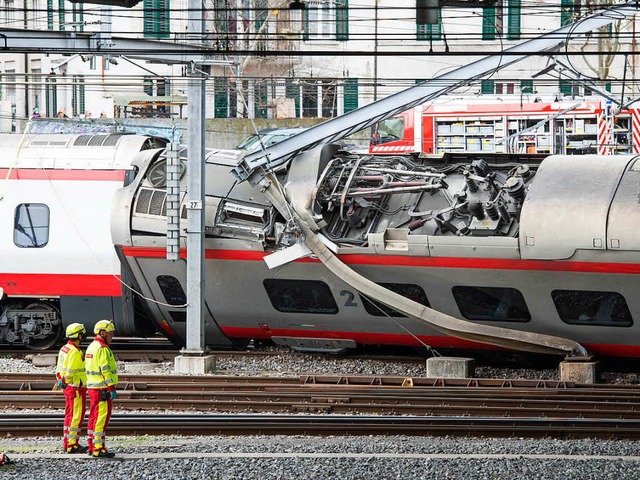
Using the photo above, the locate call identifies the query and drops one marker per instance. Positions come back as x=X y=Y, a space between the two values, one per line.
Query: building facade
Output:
x=327 y=59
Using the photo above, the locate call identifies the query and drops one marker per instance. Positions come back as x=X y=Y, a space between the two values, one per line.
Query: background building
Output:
x=338 y=55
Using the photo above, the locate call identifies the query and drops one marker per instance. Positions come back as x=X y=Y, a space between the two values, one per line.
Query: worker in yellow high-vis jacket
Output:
x=102 y=379
x=72 y=378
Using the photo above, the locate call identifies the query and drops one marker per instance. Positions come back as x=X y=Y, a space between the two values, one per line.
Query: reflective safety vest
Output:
x=71 y=368
x=101 y=365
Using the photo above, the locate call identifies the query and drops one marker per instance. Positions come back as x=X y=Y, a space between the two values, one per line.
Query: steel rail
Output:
x=357 y=395
x=134 y=381
x=206 y=424
x=348 y=402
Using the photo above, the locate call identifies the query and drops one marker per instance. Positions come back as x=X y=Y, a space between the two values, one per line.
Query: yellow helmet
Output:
x=106 y=325
x=75 y=330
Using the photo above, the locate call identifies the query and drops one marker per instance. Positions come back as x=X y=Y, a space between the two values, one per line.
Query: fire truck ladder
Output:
x=259 y=168
x=605 y=130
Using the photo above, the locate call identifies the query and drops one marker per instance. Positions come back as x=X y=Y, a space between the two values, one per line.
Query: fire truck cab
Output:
x=566 y=127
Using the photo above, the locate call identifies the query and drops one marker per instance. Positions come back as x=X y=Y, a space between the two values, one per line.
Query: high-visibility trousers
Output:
x=99 y=416
x=75 y=404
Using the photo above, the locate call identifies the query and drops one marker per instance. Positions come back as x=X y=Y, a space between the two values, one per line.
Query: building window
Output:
x=171 y=290
x=9 y=13
x=300 y=296
x=427 y=31
x=350 y=94
x=31 y=225
x=156 y=21
x=326 y=20
x=261 y=15
x=292 y=90
x=11 y=81
x=261 y=25
x=508 y=88
x=220 y=97
x=319 y=92
x=78 y=100
x=61 y=15
x=224 y=23
x=407 y=290
x=578 y=307
x=565 y=86
x=147 y=85
x=487 y=87
x=569 y=11
x=51 y=95
x=49 y=14
x=156 y=86
x=342 y=20
x=489 y=27
x=261 y=100
x=526 y=86
x=309 y=99
x=36 y=90
x=78 y=16
x=513 y=19
x=494 y=18
x=491 y=303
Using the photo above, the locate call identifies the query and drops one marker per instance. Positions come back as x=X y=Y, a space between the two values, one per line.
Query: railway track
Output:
x=477 y=406
x=233 y=424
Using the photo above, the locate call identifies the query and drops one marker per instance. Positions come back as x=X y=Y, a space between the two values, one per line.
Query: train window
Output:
x=491 y=303
x=408 y=290
x=31 y=225
x=592 y=308
x=300 y=296
x=172 y=290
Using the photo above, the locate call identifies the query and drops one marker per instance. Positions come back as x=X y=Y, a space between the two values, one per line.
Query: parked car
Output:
x=268 y=137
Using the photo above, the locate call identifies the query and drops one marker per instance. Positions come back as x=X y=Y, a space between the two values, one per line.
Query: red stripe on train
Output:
x=408 y=261
x=45 y=284
x=435 y=341
x=57 y=175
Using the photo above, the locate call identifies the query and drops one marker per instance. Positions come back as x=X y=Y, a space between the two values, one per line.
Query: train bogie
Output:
x=57 y=262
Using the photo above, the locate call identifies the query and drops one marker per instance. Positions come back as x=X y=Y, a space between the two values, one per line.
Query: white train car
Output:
x=57 y=261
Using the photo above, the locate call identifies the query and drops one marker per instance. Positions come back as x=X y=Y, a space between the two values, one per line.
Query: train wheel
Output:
x=56 y=334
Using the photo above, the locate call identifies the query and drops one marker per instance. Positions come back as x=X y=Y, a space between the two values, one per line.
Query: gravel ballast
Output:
x=299 y=457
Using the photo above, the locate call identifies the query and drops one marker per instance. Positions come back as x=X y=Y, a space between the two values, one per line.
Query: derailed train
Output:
x=549 y=247
x=57 y=262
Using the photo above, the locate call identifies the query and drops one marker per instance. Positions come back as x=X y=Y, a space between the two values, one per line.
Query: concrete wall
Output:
x=229 y=132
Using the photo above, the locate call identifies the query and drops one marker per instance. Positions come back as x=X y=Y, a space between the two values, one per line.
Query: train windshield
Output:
x=389 y=130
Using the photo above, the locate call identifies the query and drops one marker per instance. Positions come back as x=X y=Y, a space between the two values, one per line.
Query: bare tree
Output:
x=606 y=42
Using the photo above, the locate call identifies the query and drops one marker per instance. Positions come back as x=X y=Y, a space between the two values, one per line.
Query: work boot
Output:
x=77 y=449
x=103 y=454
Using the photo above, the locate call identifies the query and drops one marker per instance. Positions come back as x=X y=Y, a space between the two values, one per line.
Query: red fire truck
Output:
x=564 y=127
